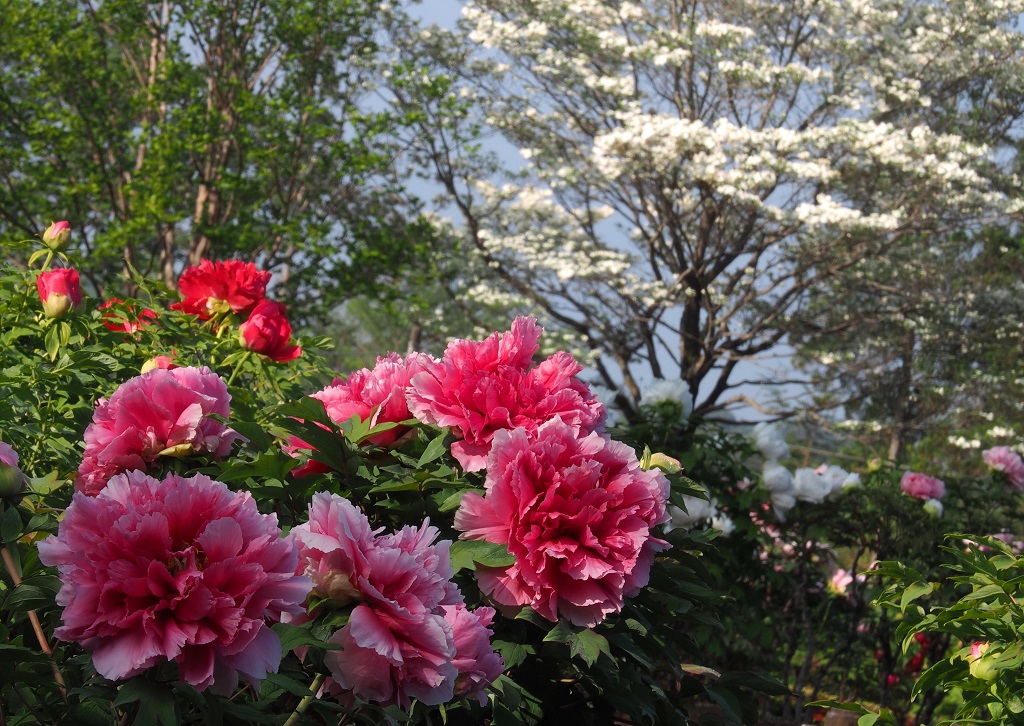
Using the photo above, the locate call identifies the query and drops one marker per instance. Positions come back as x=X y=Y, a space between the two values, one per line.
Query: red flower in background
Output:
x=221 y=286
x=128 y=320
x=59 y=290
x=267 y=332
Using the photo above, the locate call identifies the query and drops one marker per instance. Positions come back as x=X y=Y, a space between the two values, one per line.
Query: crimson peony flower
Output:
x=221 y=286
x=129 y=320
x=1002 y=458
x=922 y=486
x=159 y=413
x=59 y=291
x=480 y=388
x=475 y=658
x=577 y=515
x=397 y=644
x=378 y=395
x=180 y=569
x=267 y=332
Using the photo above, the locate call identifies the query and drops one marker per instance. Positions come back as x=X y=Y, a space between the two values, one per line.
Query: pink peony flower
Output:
x=217 y=287
x=130 y=320
x=576 y=514
x=159 y=413
x=56 y=234
x=60 y=291
x=180 y=569
x=397 y=645
x=480 y=388
x=1001 y=458
x=922 y=486
x=377 y=395
x=475 y=659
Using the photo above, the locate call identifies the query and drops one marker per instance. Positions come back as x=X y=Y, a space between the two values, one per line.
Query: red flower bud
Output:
x=267 y=332
x=56 y=235
x=59 y=291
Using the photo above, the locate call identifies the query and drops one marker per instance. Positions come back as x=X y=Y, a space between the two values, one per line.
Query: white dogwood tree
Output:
x=692 y=170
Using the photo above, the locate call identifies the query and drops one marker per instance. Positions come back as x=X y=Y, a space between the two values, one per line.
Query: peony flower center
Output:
x=217 y=307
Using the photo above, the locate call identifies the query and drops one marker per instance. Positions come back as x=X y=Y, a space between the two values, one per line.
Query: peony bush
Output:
x=201 y=523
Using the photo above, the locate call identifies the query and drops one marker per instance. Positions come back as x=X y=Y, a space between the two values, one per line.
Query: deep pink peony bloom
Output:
x=217 y=287
x=397 y=645
x=922 y=486
x=159 y=413
x=1001 y=458
x=577 y=515
x=378 y=394
x=267 y=332
x=475 y=658
x=60 y=291
x=480 y=388
x=181 y=569
x=129 y=321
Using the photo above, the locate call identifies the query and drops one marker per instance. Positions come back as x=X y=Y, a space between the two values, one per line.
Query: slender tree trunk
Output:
x=901 y=405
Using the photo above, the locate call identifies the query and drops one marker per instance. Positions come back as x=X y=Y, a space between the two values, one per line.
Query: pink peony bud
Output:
x=267 y=332
x=59 y=291
x=981 y=667
x=12 y=481
x=56 y=235
x=163 y=362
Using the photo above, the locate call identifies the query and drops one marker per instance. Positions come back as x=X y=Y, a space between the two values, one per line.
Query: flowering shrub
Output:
x=464 y=538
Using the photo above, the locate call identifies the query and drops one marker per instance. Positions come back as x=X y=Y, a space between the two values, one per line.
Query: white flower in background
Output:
x=835 y=477
x=674 y=390
x=777 y=478
x=933 y=507
x=697 y=511
x=770 y=441
x=783 y=502
x=810 y=486
x=723 y=524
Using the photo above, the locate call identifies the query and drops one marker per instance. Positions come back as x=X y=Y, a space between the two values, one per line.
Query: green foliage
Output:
x=976 y=605
x=171 y=132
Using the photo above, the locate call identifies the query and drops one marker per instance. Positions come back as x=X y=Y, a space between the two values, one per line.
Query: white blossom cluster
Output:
x=804 y=484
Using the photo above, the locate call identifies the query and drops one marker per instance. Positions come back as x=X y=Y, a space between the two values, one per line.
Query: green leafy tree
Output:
x=168 y=132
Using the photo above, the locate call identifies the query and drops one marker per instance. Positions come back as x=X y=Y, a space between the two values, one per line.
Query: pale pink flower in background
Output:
x=377 y=395
x=475 y=659
x=479 y=388
x=8 y=455
x=159 y=413
x=922 y=486
x=576 y=513
x=12 y=480
x=397 y=645
x=1001 y=458
x=181 y=569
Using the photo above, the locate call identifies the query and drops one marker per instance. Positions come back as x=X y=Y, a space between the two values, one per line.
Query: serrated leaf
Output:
x=513 y=653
